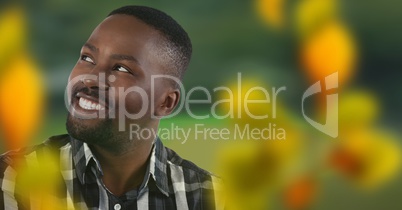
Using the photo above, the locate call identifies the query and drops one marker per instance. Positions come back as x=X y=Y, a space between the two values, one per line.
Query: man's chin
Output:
x=91 y=131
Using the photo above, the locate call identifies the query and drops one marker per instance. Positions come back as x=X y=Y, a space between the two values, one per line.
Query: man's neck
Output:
x=123 y=172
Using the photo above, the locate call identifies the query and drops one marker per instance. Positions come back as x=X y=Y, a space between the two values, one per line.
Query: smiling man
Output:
x=112 y=87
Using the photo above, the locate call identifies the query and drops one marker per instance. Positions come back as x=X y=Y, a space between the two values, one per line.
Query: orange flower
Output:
x=300 y=193
x=330 y=49
x=21 y=85
x=21 y=101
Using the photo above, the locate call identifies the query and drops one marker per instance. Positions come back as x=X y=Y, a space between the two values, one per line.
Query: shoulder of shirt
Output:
x=53 y=143
x=175 y=159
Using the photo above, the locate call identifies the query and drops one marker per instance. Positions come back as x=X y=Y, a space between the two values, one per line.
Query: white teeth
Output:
x=81 y=103
x=89 y=105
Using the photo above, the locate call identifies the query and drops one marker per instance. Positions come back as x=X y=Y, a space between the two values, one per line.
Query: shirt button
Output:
x=117 y=207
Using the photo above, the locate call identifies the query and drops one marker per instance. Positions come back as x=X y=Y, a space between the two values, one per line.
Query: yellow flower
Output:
x=40 y=181
x=253 y=102
x=252 y=167
x=271 y=11
x=248 y=173
x=357 y=108
x=12 y=34
x=312 y=14
x=369 y=157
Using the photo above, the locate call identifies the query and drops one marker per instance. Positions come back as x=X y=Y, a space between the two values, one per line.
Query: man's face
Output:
x=119 y=55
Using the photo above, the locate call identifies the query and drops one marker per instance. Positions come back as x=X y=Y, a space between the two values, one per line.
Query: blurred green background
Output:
x=230 y=37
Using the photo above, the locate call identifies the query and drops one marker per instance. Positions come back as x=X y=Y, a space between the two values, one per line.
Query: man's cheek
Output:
x=133 y=103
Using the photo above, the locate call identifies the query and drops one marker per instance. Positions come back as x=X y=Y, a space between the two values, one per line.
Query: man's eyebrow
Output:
x=121 y=57
x=91 y=47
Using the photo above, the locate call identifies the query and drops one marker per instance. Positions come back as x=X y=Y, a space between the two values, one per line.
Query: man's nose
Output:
x=95 y=83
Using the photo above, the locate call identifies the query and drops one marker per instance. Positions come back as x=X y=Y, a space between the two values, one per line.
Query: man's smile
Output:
x=90 y=105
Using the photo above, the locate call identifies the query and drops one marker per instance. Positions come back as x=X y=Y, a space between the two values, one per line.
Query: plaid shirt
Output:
x=170 y=182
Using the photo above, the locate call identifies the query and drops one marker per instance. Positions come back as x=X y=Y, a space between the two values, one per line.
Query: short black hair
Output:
x=177 y=46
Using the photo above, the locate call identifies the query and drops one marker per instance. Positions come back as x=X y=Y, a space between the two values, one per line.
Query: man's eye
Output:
x=121 y=68
x=87 y=59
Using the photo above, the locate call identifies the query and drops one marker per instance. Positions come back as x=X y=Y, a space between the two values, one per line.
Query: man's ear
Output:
x=168 y=103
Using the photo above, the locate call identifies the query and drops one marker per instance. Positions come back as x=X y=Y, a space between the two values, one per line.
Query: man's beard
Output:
x=101 y=133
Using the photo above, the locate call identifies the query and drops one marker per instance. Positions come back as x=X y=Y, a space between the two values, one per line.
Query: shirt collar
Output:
x=82 y=156
x=158 y=164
